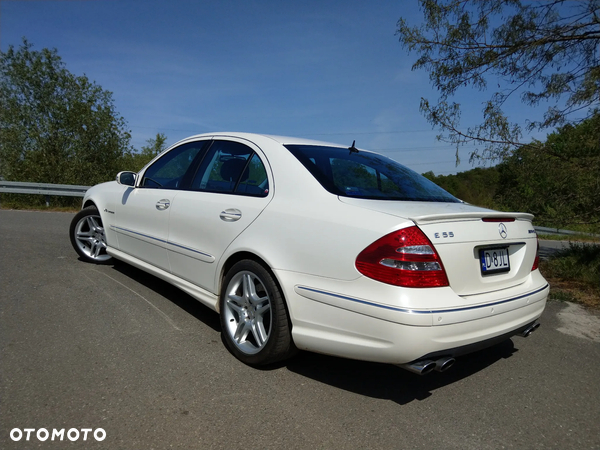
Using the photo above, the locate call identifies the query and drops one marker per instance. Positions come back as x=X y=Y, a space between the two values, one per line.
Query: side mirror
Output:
x=126 y=178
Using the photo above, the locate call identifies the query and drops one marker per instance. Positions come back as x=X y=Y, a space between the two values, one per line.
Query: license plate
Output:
x=494 y=260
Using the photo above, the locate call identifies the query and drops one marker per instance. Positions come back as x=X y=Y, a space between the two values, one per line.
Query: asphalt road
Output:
x=85 y=346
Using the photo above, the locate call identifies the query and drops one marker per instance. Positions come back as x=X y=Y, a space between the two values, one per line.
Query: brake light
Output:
x=498 y=219
x=403 y=258
x=536 y=261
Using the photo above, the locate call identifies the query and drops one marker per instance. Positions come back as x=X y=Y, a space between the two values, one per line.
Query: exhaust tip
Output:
x=419 y=367
x=530 y=329
x=443 y=364
x=430 y=367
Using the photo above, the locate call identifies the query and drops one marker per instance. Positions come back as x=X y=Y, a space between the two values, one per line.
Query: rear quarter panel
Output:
x=320 y=237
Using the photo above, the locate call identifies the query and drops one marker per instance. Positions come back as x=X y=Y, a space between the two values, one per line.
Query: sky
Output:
x=328 y=70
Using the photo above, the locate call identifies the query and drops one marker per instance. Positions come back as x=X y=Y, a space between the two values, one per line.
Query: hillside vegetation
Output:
x=558 y=180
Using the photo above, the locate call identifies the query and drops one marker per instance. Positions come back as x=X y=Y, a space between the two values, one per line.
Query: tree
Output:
x=559 y=180
x=135 y=161
x=155 y=146
x=541 y=51
x=56 y=127
x=477 y=186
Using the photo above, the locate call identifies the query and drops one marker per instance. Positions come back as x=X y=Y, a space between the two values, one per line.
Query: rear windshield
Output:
x=367 y=175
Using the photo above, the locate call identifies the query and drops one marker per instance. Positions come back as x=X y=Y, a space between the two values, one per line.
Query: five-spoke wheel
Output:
x=87 y=236
x=253 y=315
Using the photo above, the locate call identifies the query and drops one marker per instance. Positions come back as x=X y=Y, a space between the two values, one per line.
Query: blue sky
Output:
x=329 y=70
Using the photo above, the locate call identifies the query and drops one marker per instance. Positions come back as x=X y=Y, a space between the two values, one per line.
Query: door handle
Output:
x=231 y=215
x=163 y=204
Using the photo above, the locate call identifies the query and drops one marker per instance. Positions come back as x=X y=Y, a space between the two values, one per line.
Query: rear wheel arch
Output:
x=240 y=307
x=239 y=256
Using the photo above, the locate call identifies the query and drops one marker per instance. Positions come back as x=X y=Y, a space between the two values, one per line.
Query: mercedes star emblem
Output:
x=502 y=231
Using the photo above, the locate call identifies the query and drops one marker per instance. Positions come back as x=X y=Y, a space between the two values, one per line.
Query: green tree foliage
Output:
x=537 y=50
x=477 y=186
x=135 y=161
x=56 y=127
x=155 y=146
x=559 y=180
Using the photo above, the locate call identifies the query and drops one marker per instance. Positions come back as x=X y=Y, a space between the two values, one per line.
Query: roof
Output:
x=284 y=140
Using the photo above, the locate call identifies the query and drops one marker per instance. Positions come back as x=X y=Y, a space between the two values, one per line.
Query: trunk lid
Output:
x=461 y=232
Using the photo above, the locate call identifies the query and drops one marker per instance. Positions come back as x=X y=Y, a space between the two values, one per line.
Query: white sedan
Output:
x=307 y=245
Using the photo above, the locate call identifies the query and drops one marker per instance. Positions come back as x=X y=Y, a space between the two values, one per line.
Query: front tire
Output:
x=88 y=237
x=254 y=320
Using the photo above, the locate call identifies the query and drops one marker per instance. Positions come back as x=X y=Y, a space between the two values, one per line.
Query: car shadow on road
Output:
x=385 y=381
x=375 y=380
x=171 y=293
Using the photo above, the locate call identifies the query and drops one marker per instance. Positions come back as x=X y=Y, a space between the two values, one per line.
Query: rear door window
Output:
x=231 y=167
x=256 y=181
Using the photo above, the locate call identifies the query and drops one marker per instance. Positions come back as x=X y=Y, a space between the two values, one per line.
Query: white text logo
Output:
x=42 y=434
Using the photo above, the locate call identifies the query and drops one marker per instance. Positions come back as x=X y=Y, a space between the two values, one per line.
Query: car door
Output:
x=142 y=216
x=228 y=192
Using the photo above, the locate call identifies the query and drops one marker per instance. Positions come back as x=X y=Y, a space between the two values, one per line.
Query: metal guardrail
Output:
x=47 y=189
x=556 y=231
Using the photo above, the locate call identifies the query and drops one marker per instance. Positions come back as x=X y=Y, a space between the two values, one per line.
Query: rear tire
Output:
x=254 y=321
x=88 y=237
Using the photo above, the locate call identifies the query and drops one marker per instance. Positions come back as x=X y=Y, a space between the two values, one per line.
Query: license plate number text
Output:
x=494 y=260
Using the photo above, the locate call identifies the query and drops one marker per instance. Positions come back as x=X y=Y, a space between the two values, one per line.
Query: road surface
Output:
x=90 y=347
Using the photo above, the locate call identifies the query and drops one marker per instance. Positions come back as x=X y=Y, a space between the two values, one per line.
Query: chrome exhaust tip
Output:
x=443 y=364
x=419 y=367
x=530 y=329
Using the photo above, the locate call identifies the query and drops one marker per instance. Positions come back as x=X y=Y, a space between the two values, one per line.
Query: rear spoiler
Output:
x=463 y=216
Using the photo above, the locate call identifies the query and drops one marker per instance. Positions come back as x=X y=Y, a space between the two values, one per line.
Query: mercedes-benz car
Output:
x=308 y=245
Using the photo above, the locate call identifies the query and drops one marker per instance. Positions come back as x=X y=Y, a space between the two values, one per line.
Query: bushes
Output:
x=574 y=273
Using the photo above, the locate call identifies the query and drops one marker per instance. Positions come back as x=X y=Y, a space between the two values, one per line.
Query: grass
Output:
x=574 y=274
x=38 y=203
x=50 y=208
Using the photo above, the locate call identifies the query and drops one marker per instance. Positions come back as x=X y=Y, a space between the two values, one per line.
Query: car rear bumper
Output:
x=327 y=319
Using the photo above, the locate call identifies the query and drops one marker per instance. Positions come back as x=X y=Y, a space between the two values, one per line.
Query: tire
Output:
x=88 y=237
x=254 y=321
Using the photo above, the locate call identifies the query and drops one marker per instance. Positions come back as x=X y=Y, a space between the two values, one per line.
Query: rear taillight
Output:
x=403 y=258
x=536 y=261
